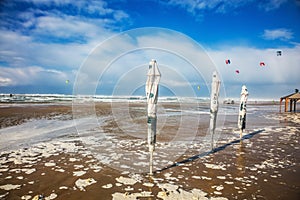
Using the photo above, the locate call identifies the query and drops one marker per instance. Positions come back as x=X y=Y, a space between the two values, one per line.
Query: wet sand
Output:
x=263 y=165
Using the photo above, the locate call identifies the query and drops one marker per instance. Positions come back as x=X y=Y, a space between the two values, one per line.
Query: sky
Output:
x=104 y=47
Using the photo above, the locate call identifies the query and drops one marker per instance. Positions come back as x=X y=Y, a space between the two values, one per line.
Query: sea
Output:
x=55 y=98
x=39 y=130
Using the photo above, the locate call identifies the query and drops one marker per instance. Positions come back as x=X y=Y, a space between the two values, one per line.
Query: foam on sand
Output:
x=10 y=187
x=131 y=196
x=126 y=181
x=79 y=173
x=107 y=186
x=214 y=166
x=82 y=183
x=182 y=194
x=26 y=197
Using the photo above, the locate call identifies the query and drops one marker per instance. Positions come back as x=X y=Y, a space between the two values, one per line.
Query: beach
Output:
x=58 y=151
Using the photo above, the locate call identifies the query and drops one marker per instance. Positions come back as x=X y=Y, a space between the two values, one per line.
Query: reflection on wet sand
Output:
x=240 y=158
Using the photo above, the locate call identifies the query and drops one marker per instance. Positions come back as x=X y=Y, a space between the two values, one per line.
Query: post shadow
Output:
x=217 y=149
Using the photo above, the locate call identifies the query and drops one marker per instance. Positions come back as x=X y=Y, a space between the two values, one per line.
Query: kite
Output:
x=262 y=64
x=278 y=53
x=227 y=61
x=67 y=81
x=237 y=71
x=198 y=87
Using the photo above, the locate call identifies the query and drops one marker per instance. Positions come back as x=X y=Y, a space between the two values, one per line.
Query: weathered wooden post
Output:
x=152 y=96
x=214 y=104
x=242 y=110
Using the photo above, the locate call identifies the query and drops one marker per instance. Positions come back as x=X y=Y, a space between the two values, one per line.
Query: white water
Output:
x=40 y=130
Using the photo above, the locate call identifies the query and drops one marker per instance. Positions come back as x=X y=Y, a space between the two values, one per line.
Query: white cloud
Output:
x=5 y=81
x=177 y=56
x=32 y=76
x=281 y=34
x=272 y=4
x=54 y=38
x=67 y=28
x=21 y=51
x=197 y=7
x=98 y=7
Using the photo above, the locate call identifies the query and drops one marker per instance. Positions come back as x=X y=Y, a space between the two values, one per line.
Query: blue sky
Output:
x=43 y=43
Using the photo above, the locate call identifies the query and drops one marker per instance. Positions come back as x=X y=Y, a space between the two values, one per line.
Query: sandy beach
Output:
x=43 y=154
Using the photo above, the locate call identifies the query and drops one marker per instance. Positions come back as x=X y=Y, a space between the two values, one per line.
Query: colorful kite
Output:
x=227 y=61
x=278 y=53
x=262 y=64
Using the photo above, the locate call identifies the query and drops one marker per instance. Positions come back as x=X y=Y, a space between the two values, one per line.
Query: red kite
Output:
x=262 y=64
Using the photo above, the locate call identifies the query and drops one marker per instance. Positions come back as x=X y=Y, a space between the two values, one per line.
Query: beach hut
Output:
x=290 y=99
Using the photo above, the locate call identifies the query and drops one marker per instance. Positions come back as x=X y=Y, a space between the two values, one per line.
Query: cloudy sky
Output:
x=104 y=47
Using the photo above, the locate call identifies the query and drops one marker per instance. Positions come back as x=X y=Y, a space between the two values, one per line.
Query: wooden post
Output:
x=291 y=105
x=280 y=105
x=151 y=164
x=286 y=104
x=241 y=133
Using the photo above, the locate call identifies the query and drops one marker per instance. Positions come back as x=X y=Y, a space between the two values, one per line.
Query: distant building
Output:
x=228 y=101
x=290 y=99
